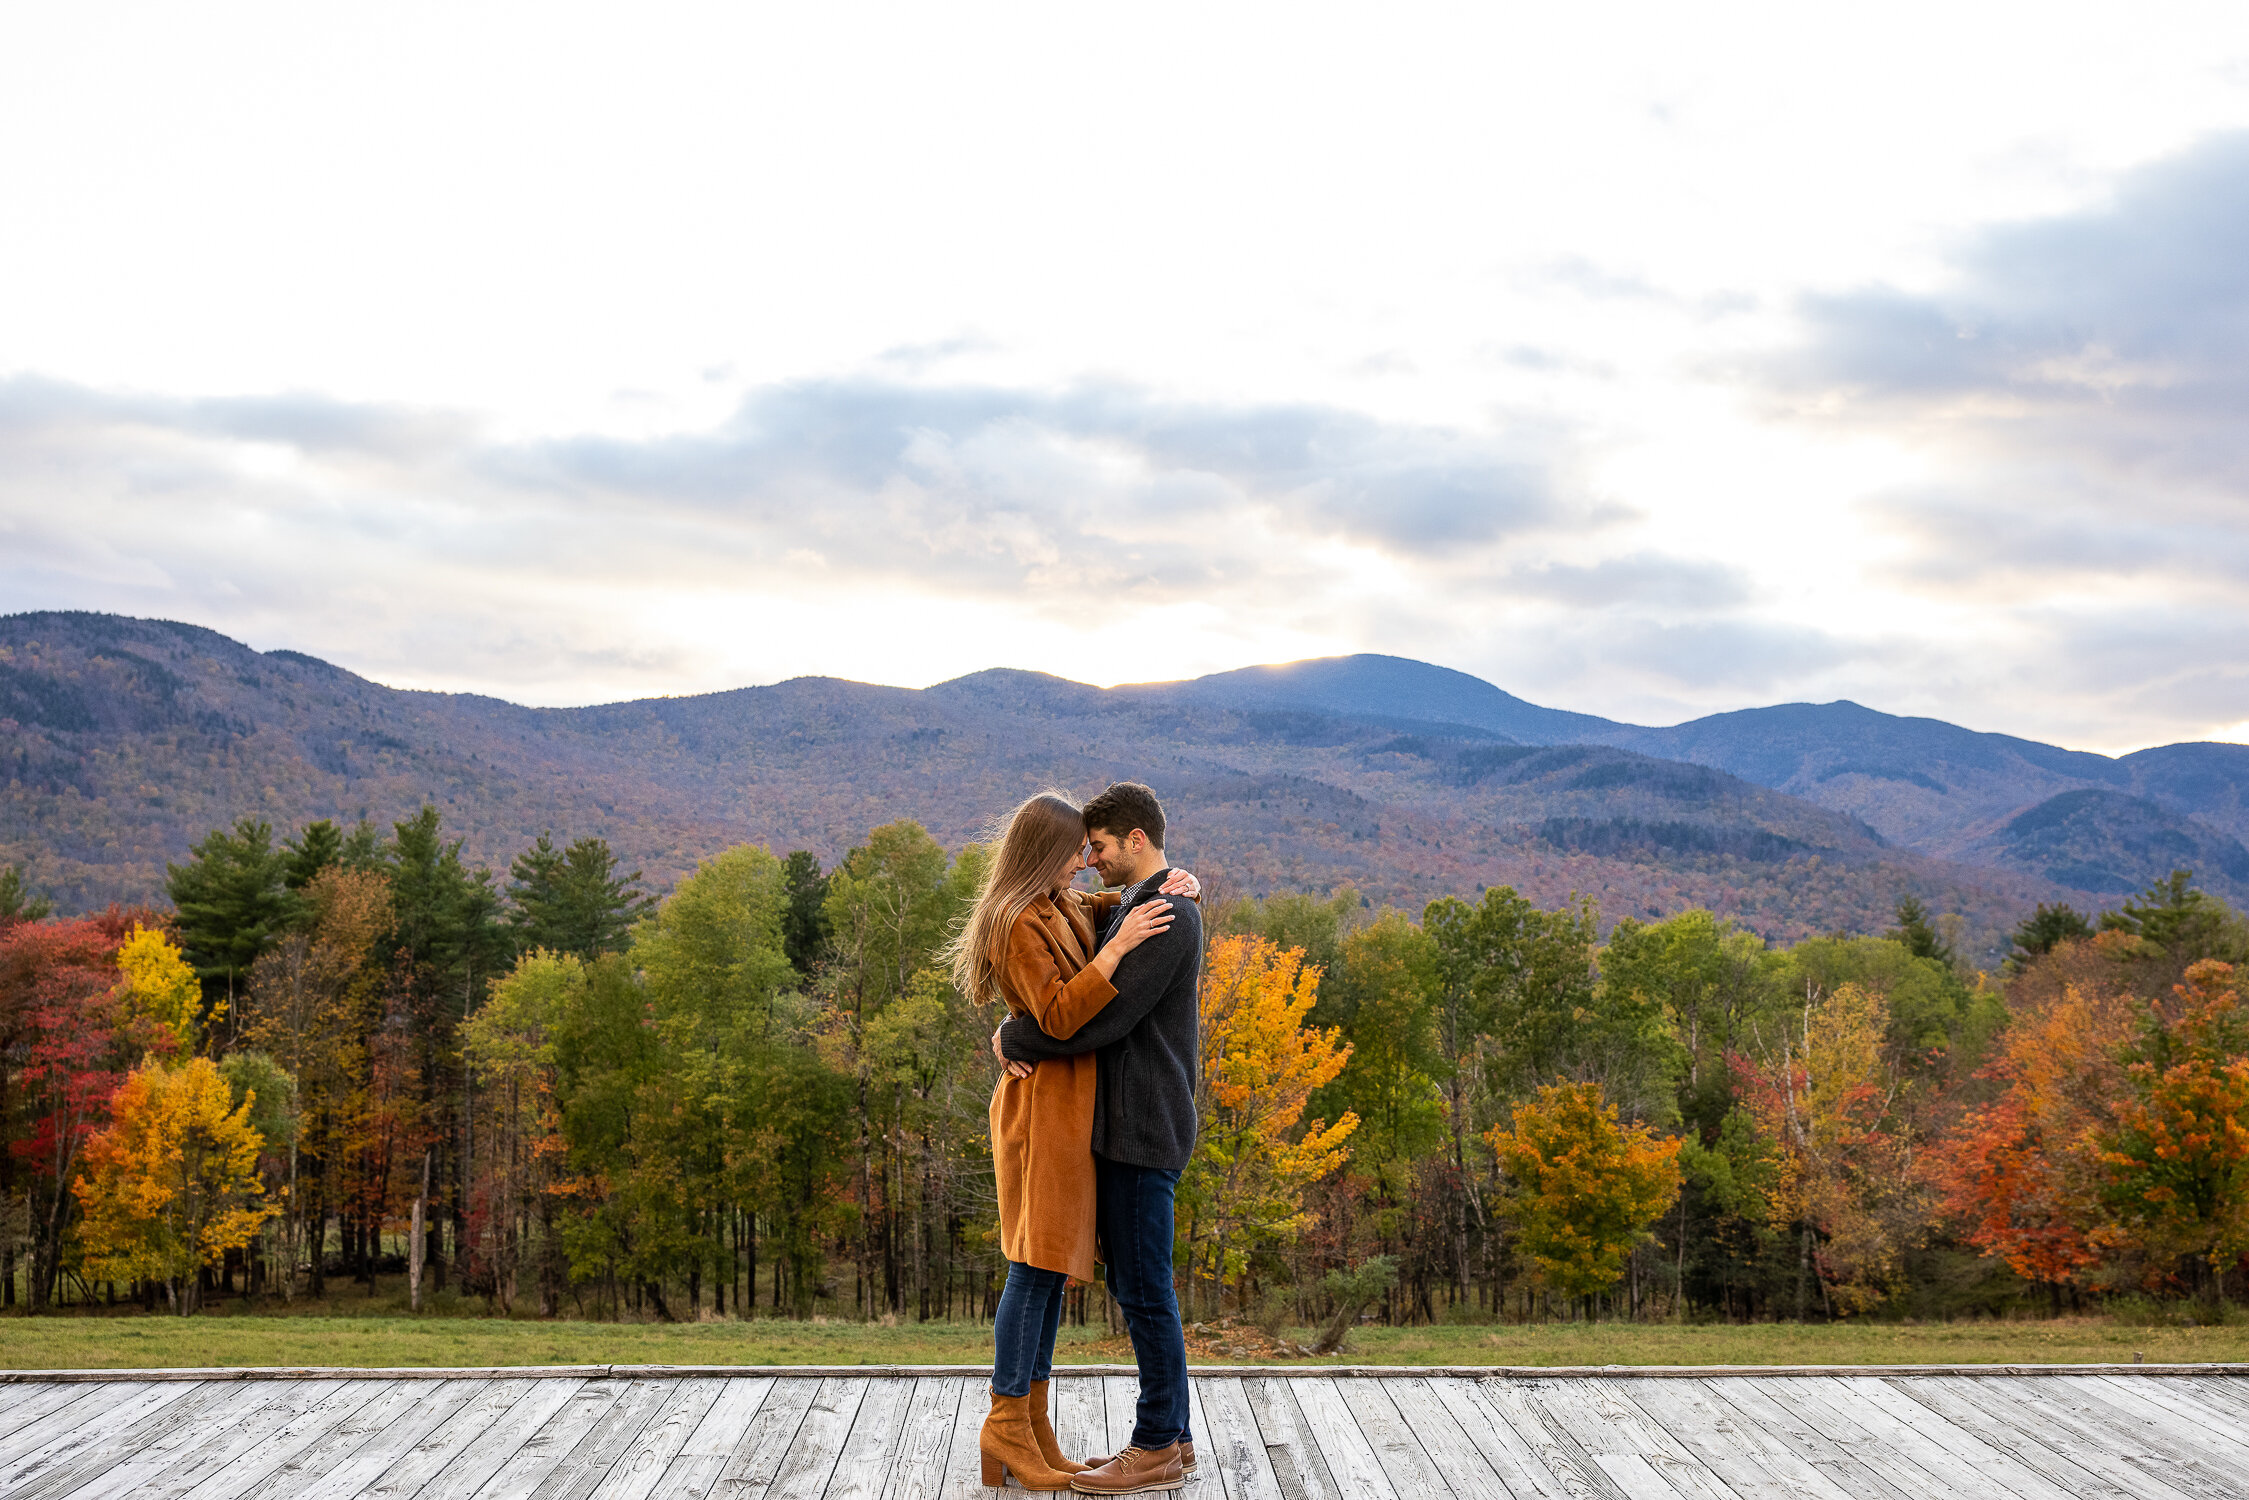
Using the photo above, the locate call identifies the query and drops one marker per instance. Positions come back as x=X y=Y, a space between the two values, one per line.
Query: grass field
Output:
x=138 y=1340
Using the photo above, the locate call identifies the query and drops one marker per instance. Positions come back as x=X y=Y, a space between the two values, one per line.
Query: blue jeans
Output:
x=1134 y=1210
x=1023 y=1329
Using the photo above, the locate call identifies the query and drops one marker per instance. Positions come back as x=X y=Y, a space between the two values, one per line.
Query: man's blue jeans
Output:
x=1023 y=1329
x=1134 y=1210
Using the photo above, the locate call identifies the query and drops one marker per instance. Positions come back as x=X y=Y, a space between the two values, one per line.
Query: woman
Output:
x=1029 y=943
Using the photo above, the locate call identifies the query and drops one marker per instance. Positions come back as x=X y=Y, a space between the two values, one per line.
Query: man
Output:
x=1149 y=1058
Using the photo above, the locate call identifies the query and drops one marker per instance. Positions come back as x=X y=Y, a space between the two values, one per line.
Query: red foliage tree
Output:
x=67 y=1038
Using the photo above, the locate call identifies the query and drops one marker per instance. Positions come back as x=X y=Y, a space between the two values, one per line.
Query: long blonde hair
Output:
x=1041 y=836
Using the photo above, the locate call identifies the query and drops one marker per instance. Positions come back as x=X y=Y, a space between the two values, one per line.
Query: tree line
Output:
x=345 y=1054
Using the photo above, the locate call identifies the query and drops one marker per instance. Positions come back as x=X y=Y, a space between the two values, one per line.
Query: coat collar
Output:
x=1067 y=930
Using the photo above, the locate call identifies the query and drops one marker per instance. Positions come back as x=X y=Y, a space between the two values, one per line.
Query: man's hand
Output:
x=1181 y=883
x=1014 y=1069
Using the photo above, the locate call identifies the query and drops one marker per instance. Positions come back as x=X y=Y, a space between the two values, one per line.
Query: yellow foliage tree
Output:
x=1849 y=1179
x=1245 y=1187
x=1586 y=1188
x=159 y=986
x=172 y=1183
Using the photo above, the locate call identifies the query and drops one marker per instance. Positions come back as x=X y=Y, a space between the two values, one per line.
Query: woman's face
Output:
x=1067 y=871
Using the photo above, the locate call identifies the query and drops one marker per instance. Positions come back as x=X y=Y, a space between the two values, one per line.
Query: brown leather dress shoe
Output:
x=1135 y=1471
x=1186 y=1457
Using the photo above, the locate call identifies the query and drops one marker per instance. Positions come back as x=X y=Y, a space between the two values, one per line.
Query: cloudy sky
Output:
x=1647 y=360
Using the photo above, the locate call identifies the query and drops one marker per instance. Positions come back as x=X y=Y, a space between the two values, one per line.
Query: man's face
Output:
x=1111 y=856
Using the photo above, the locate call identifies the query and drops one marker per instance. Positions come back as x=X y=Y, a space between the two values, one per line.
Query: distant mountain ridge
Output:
x=122 y=740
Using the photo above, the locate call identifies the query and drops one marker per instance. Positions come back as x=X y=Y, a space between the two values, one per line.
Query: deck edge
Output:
x=1268 y=1372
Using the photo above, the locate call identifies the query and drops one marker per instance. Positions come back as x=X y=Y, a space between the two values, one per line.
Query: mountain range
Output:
x=123 y=740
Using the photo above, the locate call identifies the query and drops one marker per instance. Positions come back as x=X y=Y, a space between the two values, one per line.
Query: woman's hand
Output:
x=1014 y=1069
x=1140 y=924
x=1181 y=883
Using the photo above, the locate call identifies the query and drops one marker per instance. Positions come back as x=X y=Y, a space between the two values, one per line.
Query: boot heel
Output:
x=995 y=1473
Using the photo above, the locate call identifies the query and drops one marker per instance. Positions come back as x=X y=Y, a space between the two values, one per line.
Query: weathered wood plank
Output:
x=1228 y=1448
x=233 y=1454
x=431 y=1409
x=1557 y=1452
x=1755 y=1461
x=925 y=1440
x=2104 y=1436
x=963 y=1470
x=1482 y=1460
x=1194 y=1411
x=2230 y=1391
x=1351 y=1459
x=812 y=1457
x=324 y=1406
x=176 y=1447
x=92 y=1403
x=1852 y=1413
x=2102 y=1428
x=1120 y=1405
x=1627 y=1444
x=1897 y=1422
x=2203 y=1460
x=863 y=1466
x=636 y=1475
x=27 y=1404
x=2033 y=1442
x=1298 y=1465
x=606 y=1442
x=86 y=1435
x=1080 y=1414
x=169 y=1428
x=552 y=1441
x=1396 y=1445
x=2207 y=1416
x=741 y=1458
x=467 y=1470
x=489 y=1401
x=1837 y=1447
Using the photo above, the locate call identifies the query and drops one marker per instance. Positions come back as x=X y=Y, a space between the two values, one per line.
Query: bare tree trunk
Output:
x=414 y=1247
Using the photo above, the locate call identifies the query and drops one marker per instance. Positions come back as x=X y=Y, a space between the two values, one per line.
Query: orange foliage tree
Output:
x=2023 y=1176
x=1848 y=1179
x=172 y=1183
x=1586 y=1188
x=2178 y=1152
x=1244 y=1189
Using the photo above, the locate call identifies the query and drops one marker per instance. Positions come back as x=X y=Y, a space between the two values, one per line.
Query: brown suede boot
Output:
x=1008 y=1447
x=1043 y=1430
x=1134 y=1472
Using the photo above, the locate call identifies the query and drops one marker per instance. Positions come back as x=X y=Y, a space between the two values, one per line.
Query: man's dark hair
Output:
x=1125 y=806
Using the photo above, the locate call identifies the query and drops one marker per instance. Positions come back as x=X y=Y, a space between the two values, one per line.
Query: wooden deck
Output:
x=2181 y=1433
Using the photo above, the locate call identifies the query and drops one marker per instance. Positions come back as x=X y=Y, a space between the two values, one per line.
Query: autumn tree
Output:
x=160 y=988
x=314 y=1003
x=1584 y=1187
x=171 y=1184
x=2022 y=1176
x=67 y=1038
x=2178 y=1151
x=1244 y=1189
x=511 y=1047
x=1825 y=1094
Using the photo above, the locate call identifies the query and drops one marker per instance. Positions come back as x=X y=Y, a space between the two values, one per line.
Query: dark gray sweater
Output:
x=1149 y=1053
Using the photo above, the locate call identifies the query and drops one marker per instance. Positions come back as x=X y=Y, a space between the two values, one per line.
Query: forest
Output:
x=344 y=1054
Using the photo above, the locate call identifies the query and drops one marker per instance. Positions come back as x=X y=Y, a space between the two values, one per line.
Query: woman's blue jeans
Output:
x=1030 y=1313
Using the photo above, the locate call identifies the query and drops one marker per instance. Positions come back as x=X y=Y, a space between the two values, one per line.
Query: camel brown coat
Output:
x=1042 y=1126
